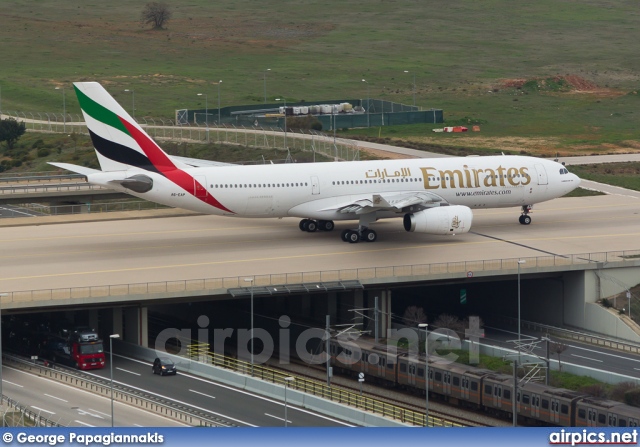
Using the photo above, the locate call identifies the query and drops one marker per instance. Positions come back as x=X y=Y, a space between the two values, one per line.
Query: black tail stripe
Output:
x=122 y=154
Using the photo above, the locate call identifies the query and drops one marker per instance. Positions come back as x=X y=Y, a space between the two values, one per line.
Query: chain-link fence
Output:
x=164 y=129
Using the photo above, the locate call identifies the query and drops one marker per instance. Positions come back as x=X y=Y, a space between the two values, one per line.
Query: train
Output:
x=478 y=388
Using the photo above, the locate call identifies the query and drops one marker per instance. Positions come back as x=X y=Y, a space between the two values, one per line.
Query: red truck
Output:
x=82 y=350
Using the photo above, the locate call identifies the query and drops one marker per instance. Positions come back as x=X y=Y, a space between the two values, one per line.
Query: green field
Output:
x=460 y=52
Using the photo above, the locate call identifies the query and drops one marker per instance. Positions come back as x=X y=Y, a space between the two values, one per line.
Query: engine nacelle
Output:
x=453 y=219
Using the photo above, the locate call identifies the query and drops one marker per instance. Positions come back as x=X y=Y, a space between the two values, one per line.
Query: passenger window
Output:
x=403 y=367
x=564 y=409
x=487 y=389
x=438 y=376
x=507 y=394
x=622 y=423
x=581 y=413
x=456 y=381
x=525 y=399
x=420 y=372
x=474 y=386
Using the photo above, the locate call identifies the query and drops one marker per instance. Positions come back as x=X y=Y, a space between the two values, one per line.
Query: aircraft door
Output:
x=200 y=186
x=315 y=185
x=542 y=174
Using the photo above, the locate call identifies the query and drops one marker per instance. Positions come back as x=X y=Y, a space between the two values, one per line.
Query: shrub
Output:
x=43 y=152
x=632 y=397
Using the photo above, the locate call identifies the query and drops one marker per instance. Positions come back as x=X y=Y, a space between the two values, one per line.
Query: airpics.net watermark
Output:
x=308 y=345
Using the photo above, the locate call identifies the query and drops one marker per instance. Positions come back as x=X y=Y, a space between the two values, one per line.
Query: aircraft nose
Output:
x=577 y=179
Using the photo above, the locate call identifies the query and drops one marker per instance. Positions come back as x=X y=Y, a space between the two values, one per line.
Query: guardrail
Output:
x=333 y=393
x=120 y=394
x=35 y=418
x=597 y=340
x=48 y=188
x=37 y=177
x=468 y=268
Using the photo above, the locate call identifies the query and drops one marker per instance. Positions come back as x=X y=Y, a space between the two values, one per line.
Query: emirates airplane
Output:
x=432 y=196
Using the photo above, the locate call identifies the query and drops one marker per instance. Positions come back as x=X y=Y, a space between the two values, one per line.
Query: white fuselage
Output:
x=317 y=190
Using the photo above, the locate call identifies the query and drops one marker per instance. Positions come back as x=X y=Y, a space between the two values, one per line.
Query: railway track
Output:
x=399 y=398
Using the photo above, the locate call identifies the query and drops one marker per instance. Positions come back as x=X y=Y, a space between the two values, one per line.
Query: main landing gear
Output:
x=312 y=226
x=525 y=219
x=361 y=234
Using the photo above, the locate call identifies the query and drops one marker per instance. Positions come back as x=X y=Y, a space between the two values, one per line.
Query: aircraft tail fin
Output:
x=119 y=141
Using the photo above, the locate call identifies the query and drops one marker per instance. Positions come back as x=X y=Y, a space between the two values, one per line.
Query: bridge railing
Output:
x=468 y=268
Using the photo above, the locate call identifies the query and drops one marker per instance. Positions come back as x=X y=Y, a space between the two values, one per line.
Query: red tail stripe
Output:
x=161 y=161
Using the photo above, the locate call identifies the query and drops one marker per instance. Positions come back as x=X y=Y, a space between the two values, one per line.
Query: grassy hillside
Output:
x=493 y=61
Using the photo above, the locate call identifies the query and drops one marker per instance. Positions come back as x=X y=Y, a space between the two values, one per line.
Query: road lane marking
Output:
x=202 y=394
x=54 y=397
x=276 y=417
x=127 y=371
x=587 y=358
x=11 y=383
x=292 y=257
x=100 y=412
x=255 y=396
x=84 y=423
x=42 y=409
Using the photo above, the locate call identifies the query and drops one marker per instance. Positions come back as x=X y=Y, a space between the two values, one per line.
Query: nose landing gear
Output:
x=525 y=219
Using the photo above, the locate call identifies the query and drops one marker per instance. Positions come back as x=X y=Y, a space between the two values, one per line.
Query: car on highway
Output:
x=164 y=366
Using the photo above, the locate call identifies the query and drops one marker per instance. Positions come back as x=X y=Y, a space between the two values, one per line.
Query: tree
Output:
x=156 y=14
x=557 y=348
x=413 y=316
x=11 y=131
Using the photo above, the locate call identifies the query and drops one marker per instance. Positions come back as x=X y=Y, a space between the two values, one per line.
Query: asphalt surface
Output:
x=237 y=406
x=73 y=407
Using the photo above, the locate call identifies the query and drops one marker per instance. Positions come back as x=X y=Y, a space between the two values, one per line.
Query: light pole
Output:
x=264 y=76
x=425 y=326
x=111 y=337
x=414 y=87
x=133 y=102
x=219 y=82
x=64 y=110
x=368 y=102
x=206 y=108
x=1 y=395
x=251 y=332
x=285 y=120
x=520 y=261
x=287 y=381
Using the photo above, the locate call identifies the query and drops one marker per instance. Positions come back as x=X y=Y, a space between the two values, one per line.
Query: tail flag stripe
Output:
x=149 y=157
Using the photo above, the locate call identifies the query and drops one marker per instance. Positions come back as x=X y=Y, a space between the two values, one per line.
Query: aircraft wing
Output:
x=197 y=163
x=387 y=202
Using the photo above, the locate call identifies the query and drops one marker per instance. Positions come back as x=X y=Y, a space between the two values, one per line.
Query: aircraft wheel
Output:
x=353 y=237
x=312 y=226
x=369 y=236
x=303 y=223
x=526 y=219
x=345 y=235
x=326 y=225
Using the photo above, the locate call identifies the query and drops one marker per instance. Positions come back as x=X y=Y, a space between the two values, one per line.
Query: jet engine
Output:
x=453 y=219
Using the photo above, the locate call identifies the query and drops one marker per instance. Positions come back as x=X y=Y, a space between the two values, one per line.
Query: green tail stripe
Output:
x=98 y=112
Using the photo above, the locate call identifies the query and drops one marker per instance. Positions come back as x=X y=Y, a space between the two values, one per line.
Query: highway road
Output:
x=70 y=406
x=236 y=406
x=72 y=254
x=577 y=353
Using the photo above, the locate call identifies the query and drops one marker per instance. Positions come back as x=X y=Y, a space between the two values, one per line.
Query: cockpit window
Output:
x=564 y=171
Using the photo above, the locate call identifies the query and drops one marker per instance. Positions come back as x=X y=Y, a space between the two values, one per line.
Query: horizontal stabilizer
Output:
x=197 y=163
x=75 y=168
